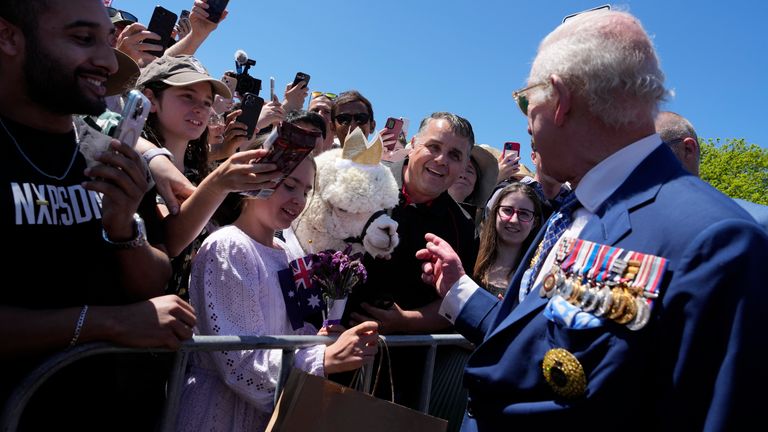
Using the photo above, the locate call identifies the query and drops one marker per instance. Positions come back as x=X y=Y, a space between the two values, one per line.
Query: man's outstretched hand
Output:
x=442 y=266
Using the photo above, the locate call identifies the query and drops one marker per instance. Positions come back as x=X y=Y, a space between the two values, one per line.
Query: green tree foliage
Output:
x=735 y=168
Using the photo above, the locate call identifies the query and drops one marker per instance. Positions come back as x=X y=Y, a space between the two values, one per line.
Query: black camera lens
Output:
x=248 y=84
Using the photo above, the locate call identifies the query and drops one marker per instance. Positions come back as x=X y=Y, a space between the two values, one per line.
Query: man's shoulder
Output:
x=758 y=211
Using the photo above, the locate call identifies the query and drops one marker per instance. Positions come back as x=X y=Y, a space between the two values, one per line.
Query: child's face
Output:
x=183 y=112
x=286 y=203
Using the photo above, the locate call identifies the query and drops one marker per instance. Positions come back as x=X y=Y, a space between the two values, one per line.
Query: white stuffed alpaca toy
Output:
x=348 y=206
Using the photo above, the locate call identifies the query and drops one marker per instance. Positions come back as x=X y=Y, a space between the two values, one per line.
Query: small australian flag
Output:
x=303 y=300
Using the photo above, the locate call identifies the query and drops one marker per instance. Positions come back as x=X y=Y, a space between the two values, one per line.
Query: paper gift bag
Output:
x=312 y=403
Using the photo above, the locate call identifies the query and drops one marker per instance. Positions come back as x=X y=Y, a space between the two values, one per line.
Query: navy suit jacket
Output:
x=696 y=363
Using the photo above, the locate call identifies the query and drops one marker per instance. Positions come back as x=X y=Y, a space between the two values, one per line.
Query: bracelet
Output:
x=79 y=326
x=160 y=151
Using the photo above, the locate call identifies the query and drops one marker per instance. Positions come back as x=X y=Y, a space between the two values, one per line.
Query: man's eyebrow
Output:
x=83 y=23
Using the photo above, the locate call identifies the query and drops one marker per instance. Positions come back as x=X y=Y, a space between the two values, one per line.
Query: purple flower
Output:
x=337 y=273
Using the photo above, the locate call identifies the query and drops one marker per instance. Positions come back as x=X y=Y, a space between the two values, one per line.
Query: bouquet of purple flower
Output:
x=337 y=273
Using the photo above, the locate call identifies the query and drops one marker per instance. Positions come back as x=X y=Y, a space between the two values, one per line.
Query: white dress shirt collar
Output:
x=603 y=179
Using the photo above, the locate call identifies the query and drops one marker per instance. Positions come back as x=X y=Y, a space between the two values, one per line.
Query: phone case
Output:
x=251 y=109
x=162 y=23
x=215 y=9
x=291 y=145
x=512 y=147
x=395 y=126
x=301 y=76
x=230 y=82
x=134 y=115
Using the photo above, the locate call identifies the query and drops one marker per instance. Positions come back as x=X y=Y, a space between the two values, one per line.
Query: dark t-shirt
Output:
x=56 y=249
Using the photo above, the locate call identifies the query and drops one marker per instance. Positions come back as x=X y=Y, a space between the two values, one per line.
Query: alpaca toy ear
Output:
x=357 y=149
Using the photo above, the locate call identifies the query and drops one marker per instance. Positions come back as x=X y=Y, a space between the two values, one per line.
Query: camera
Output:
x=245 y=82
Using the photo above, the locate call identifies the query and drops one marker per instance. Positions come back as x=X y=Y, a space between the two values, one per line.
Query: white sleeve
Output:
x=457 y=297
x=227 y=291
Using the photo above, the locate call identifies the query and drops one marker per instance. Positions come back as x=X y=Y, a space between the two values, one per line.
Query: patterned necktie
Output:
x=556 y=226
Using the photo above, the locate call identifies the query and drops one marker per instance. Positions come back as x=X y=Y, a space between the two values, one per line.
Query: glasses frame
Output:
x=522 y=100
x=353 y=117
x=516 y=211
x=126 y=16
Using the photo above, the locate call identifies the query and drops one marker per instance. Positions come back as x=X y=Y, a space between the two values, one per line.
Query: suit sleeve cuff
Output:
x=457 y=297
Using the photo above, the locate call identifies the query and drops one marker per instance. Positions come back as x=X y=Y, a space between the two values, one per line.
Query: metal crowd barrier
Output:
x=19 y=398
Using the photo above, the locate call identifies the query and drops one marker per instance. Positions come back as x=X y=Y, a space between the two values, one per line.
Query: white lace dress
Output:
x=235 y=291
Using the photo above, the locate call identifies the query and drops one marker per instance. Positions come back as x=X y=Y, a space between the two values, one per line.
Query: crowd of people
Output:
x=653 y=323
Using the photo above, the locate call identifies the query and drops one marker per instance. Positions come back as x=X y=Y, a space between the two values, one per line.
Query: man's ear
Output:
x=690 y=148
x=562 y=99
x=373 y=125
x=11 y=38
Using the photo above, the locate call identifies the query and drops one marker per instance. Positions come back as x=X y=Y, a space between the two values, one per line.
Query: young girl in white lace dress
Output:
x=235 y=291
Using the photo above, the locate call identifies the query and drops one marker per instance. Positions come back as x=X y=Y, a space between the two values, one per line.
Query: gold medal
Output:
x=564 y=374
x=630 y=311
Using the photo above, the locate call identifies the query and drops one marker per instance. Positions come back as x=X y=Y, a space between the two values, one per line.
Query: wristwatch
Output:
x=160 y=151
x=139 y=239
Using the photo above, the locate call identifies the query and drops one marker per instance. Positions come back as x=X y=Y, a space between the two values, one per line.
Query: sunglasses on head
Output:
x=122 y=15
x=522 y=99
x=331 y=96
x=360 y=118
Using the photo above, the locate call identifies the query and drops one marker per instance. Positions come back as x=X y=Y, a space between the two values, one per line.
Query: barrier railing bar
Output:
x=20 y=397
x=286 y=364
x=426 y=379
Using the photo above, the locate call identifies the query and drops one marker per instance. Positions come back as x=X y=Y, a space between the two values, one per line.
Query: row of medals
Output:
x=615 y=298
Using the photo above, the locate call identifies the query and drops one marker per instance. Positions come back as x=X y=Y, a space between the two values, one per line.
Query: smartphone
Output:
x=215 y=9
x=301 y=76
x=161 y=23
x=251 y=107
x=395 y=126
x=288 y=145
x=134 y=116
x=184 y=14
x=511 y=147
x=271 y=88
x=230 y=82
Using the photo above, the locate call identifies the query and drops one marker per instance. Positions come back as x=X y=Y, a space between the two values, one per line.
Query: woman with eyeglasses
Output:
x=504 y=238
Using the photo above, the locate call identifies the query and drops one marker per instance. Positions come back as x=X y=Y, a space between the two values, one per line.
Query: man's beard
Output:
x=55 y=86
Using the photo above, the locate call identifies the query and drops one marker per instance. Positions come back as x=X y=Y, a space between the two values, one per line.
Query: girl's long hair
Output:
x=489 y=238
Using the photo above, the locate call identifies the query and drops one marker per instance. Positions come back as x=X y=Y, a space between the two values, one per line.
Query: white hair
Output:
x=611 y=63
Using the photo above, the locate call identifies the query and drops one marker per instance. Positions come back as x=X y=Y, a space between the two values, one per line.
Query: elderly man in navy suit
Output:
x=641 y=307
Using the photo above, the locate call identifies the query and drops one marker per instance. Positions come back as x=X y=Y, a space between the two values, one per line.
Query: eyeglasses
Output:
x=360 y=118
x=121 y=15
x=331 y=96
x=522 y=99
x=674 y=141
x=523 y=215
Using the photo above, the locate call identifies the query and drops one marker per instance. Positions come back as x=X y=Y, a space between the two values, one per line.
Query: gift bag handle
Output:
x=358 y=377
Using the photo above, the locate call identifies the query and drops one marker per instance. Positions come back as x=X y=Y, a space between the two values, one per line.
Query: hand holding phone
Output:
x=251 y=110
x=288 y=145
x=162 y=24
x=510 y=147
x=301 y=76
x=393 y=126
x=216 y=9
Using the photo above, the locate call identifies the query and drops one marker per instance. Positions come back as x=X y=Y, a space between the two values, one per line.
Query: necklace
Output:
x=71 y=162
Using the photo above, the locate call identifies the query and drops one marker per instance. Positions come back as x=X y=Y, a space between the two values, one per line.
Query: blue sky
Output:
x=413 y=57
